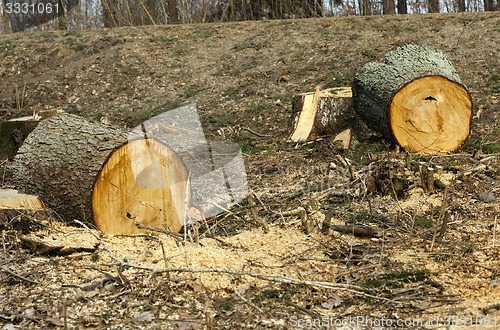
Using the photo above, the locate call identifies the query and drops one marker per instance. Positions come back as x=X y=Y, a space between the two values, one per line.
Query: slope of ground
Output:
x=433 y=256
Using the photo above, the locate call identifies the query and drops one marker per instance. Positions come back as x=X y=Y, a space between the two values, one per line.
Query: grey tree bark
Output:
x=60 y=160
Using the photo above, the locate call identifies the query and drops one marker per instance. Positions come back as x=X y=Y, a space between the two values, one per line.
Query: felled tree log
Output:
x=415 y=98
x=103 y=176
x=323 y=112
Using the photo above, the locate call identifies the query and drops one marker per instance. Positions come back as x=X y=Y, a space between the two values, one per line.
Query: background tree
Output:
x=388 y=7
x=489 y=5
x=366 y=5
x=402 y=7
x=433 y=6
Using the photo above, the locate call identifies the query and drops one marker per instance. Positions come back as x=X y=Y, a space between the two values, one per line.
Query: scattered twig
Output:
x=494 y=232
x=245 y=300
x=495 y=306
x=111 y=254
x=357 y=290
x=442 y=223
x=256 y=133
x=178 y=237
x=325 y=229
x=5 y=269
x=65 y=314
x=255 y=213
x=306 y=224
x=476 y=169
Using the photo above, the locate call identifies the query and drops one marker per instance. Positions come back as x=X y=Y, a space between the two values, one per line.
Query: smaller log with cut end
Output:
x=416 y=99
x=323 y=112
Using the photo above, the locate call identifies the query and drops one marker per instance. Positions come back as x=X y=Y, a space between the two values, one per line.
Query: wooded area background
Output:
x=33 y=15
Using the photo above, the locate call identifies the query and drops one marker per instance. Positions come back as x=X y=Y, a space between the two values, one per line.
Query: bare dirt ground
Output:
x=430 y=257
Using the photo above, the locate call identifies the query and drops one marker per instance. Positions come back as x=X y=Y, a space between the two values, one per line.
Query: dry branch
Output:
x=354 y=289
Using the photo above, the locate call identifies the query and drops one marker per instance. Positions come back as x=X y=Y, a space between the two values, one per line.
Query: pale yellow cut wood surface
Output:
x=344 y=138
x=306 y=118
x=431 y=114
x=12 y=199
x=143 y=181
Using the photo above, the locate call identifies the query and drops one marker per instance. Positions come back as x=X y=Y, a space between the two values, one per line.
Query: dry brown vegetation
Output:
x=430 y=254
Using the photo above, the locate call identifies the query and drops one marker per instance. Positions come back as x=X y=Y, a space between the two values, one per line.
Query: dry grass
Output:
x=233 y=72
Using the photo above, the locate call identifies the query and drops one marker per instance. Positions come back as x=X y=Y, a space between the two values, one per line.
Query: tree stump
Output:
x=416 y=99
x=103 y=175
x=14 y=131
x=323 y=112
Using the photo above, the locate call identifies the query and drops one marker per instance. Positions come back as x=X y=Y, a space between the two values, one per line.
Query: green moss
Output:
x=267 y=294
x=225 y=305
x=423 y=222
x=465 y=248
x=94 y=257
x=365 y=217
x=259 y=107
x=472 y=144
x=397 y=279
x=360 y=151
x=221 y=120
x=491 y=148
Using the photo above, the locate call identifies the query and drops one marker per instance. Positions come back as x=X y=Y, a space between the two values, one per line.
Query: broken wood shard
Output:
x=21 y=212
x=12 y=199
x=416 y=99
x=321 y=112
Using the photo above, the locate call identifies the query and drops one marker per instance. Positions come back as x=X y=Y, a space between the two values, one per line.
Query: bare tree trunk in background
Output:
x=62 y=21
x=433 y=6
x=152 y=12
x=402 y=7
x=488 y=5
x=172 y=11
x=461 y=6
x=5 y=20
x=388 y=7
x=109 y=13
x=316 y=8
x=360 y=4
x=367 y=11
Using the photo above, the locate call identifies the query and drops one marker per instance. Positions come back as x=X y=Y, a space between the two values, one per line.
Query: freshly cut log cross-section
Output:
x=415 y=98
x=431 y=114
x=143 y=181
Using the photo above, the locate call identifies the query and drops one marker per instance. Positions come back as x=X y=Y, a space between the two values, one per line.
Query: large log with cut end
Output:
x=103 y=175
x=415 y=98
